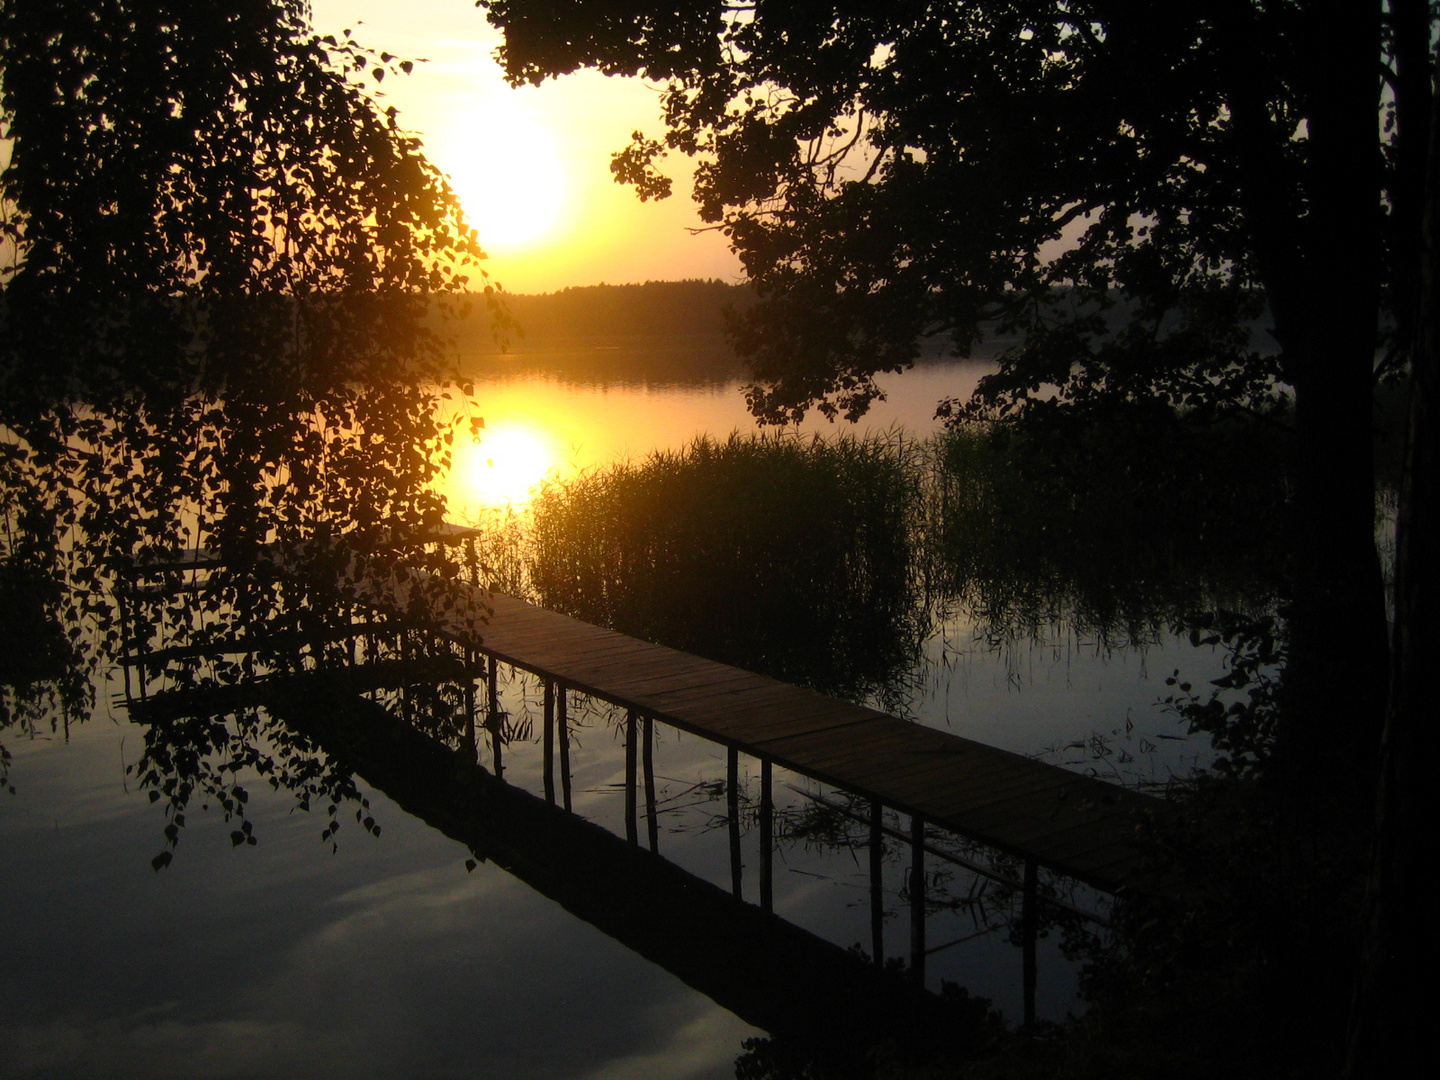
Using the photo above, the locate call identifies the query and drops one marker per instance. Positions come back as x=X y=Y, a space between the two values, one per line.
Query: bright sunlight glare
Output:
x=510 y=180
x=502 y=468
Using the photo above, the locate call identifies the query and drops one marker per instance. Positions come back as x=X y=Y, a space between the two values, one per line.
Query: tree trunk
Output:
x=1391 y=1015
x=1336 y=676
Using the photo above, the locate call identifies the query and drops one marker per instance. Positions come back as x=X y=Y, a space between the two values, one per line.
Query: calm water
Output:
x=1031 y=696
x=389 y=959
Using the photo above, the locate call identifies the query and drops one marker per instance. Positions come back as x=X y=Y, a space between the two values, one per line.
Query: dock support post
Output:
x=564 y=751
x=648 y=762
x=877 y=883
x=732 y=805
x=767 y=842
x=1028 y=927
x=549 y=761
x=470 y=740
x=631 y=832
x=142 y=649
x=494 y=721
x=917 y=898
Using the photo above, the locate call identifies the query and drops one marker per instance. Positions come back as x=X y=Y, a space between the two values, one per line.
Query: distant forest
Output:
x=591 y=314
x=669 y=329
x=661 y=331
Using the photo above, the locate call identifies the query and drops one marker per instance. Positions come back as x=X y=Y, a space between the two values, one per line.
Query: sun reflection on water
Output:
x=502 y=468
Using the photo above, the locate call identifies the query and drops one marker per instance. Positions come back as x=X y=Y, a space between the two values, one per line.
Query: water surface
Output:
x=389 y=958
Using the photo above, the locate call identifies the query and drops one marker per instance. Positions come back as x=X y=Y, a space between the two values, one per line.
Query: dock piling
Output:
x=732 y=807
x=631 y=831
x=877 y=883
x=648 y=763
x=917 y=898
x=549 y=752
x=767 y=840
x=1028 y=933
x=564 y=750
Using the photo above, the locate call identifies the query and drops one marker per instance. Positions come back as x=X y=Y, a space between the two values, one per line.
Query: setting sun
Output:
x=510 y=180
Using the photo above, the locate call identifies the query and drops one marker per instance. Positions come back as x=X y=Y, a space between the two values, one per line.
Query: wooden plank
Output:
x=978 y=792
x=862 y=756
x=742 y=721
x=664 y=690
x=1022 y=827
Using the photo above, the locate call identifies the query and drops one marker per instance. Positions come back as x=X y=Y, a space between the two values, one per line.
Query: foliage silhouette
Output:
x=223 y=258
x=1122 y=187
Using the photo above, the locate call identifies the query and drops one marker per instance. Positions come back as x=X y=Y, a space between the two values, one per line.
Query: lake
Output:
x=388 y=958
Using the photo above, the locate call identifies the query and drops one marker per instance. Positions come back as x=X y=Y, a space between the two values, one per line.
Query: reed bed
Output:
x=829 y=561
x=788 y=555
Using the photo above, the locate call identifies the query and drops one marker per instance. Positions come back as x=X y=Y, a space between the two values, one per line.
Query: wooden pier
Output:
x=1041 y=814
x=1077 y=825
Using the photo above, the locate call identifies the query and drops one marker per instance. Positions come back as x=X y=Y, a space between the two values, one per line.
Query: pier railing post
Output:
x=1028 y=933
x=877 y=883
x=564 y=724
x=648 y=761
x=917 y=898
x=631 y=831
x=767 y=840
x=402 y=646
x=732 y=807
x=549 y=758
x=470 y=740
x=494 y=723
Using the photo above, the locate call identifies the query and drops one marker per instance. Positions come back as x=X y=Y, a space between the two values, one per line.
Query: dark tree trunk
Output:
x=1337 y=671
x=1391 y=1015
x=1411 y=29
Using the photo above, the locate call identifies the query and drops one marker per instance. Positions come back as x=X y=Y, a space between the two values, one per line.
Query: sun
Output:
x=501 y=469
x=509 y=178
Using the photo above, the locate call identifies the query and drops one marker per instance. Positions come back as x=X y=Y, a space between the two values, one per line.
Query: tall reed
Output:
x=825 y=561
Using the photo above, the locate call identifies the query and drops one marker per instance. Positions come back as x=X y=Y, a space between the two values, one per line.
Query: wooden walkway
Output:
x=1068 y=822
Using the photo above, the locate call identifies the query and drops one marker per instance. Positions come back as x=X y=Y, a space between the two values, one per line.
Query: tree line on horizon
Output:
x=690 y=308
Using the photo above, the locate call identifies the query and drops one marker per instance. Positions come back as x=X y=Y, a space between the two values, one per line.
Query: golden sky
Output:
x=532 y=165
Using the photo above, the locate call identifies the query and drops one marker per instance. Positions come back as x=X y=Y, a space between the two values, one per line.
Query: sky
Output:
x=532 y=165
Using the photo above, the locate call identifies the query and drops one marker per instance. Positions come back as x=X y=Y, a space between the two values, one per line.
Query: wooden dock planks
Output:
x=1068 y=822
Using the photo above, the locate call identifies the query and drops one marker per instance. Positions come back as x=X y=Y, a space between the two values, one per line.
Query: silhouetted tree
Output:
x=221 y=259
x=929 y=166
x=1124 y=185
